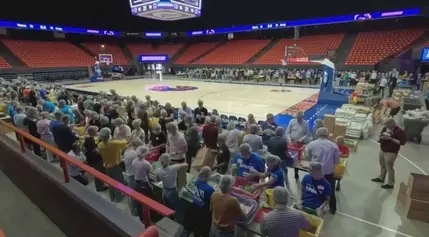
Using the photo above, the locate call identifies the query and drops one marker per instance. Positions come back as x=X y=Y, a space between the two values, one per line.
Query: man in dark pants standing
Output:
x=327 y=153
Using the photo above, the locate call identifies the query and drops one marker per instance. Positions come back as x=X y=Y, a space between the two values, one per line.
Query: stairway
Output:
x=267 y=48
x=343 y=50
x=207 y=52
x=179 y=53
x=10 y=58
x=131 y=58
x=87 y=51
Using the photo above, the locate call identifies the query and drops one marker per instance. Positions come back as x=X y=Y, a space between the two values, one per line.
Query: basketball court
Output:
x=228 y=99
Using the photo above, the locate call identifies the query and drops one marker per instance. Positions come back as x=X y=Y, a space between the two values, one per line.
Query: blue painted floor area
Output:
x=310 y=115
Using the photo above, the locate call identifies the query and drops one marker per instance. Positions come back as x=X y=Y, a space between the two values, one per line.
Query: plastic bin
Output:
x=340 y=168
x=316 y=222
x=414 y=128
x=299 y=149
x=240 y=181
x=254 y=207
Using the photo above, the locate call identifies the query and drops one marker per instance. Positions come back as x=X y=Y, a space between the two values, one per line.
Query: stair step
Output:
x=263 y=51
x=207 y=52
x=343 y=50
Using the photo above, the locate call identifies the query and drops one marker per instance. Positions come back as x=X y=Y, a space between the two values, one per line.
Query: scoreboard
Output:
x=166 y=10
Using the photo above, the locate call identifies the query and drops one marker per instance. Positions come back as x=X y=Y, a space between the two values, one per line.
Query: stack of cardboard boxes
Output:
x=414 y=197
x=334 y=129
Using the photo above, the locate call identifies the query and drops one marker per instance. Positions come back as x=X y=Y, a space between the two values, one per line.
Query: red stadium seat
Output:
x=138 y=49
x=194 y=51
x=234 y=52
x=371 y=48
x=113 y=49
x=44 y=54
x=4 y=64
x=425 y=45
x=308 y=45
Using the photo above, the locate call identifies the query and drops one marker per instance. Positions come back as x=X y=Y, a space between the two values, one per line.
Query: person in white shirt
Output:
x=137 y=132
x=140 y=169
x=383 y=84
x=130 y=155
x=74 y=171
x=122 y=131
x=373 y=76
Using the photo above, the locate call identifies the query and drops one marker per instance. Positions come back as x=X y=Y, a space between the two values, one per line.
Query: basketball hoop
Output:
x=294 y=54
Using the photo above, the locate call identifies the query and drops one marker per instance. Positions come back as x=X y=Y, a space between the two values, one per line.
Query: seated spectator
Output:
x=315 y=190
x=246 y=161
x=74 y=171
x=283 y=219
x=210 y=134
x=274 y=173
x=201 y=212
x=110 y=151
x=253 y=139
x=223 y=157
x=226 y=209
x=167 y=174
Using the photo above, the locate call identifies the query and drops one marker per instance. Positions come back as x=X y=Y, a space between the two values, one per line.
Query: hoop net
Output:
x=105 y=59
x=294 y=55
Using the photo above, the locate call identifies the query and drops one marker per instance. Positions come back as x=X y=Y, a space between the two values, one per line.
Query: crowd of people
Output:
x=119 y=136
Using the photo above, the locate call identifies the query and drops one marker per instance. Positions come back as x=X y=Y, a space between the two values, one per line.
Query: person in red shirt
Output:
x=210 y=133
x=344 y=152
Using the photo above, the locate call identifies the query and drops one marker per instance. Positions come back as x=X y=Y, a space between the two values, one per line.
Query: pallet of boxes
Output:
x=414 y=197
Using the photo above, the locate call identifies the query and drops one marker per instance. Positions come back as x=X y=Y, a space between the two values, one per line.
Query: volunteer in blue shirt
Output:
x=47 y=106
x=274 y=173
x=268 y=128
x=66 y=109
x=316 y=190
x=247 y=163
x=11 y=109
x=43 y=93
x=201 y=213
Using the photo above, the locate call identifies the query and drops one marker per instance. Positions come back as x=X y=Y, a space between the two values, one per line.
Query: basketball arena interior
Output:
x=335 y=67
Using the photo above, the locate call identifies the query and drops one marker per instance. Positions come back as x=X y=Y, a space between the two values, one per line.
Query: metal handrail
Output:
x=146 y=202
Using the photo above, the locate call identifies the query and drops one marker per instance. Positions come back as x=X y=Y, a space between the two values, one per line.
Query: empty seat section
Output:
x=113 y=49
x=425 y=45
x=4 y=64
x=40 y=54
x=194 y=51
x=307 y=46
x=371 y=48
x=138 y=49
x=234 y=52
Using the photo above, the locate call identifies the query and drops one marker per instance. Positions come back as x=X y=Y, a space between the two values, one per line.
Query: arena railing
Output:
x=146 y=202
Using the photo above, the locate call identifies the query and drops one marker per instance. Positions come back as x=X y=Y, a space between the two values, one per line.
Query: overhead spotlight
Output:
x=102 y=45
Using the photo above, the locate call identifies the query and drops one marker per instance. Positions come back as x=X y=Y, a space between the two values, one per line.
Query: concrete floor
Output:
x=19 y=217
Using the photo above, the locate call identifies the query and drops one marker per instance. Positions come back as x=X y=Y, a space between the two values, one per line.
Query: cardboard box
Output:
x=418 y=187
x=414 y=209
x=329 y=122
x=339 y=130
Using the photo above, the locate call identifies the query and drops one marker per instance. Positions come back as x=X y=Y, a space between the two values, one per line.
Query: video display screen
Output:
x=193 y=3
x=140 y=2
x=425 y=54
